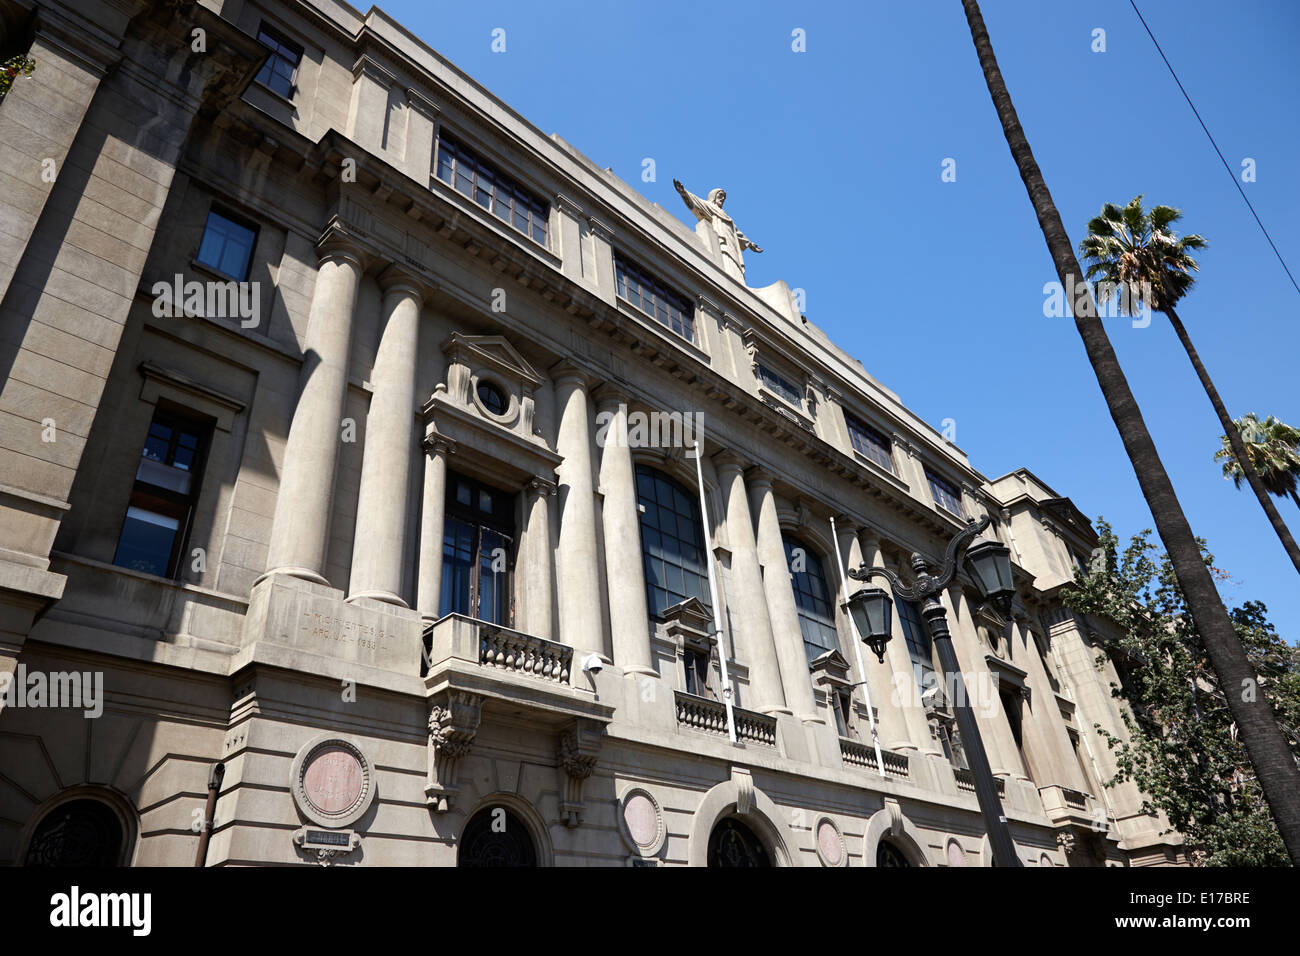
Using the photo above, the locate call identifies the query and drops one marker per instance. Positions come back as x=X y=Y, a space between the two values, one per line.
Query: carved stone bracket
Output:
x=744 y=782
x=579 y=747
x=452 y=726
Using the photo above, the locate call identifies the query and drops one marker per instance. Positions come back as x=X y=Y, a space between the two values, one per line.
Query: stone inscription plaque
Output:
x=332 y=781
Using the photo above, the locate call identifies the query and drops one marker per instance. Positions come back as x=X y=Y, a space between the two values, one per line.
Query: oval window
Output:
x=493 y=399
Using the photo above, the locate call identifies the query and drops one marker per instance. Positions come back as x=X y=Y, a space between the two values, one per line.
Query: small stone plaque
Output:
x=642 y=820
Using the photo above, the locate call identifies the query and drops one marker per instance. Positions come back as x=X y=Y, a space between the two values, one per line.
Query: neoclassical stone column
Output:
x=539 y=575
x=999 y=744
x=779 y=592
x=379 y=543
x=903 y=692
x=300 y=528
x=433 y=507
x=577 y=579
x=747 y=605
x=889 y=725
x=629 y=615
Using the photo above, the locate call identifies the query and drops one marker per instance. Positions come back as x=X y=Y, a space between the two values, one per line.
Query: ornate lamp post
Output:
x=990 y=565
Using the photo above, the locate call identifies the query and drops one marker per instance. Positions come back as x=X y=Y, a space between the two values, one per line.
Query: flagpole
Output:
x=713 y=590
x=857 y=650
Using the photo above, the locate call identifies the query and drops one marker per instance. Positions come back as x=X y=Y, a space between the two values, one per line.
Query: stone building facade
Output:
x=347 y=440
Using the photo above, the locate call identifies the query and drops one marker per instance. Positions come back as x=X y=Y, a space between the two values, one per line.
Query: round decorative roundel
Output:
x=332 y=782
x=830 y=844
x=641 y=821
x=956 y=855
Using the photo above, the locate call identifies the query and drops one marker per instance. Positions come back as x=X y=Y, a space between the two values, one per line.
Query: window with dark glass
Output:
x=227 y=246
x=672 y=542
x=477 y=551
x=493 y=399
x=871 y=444
x=812 y=599
x=652 y=297
x=946 y=495
x=470 y=174
x=842 y=705
x=779 y=384
x=696 y=665
x=281 y=67
x=1011 y=703
x=917 y=639
x=162 y=501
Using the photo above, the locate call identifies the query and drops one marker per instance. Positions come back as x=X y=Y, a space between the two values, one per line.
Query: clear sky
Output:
x=832 y=159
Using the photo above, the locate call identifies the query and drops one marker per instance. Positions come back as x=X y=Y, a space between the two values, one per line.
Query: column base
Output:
x=381 y=597
x=304 y=574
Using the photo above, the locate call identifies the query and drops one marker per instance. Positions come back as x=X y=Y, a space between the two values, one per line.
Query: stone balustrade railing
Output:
x=1074 y=799
x=524 y=654
x=857 y=754
x=710 y=716
x=966 y=781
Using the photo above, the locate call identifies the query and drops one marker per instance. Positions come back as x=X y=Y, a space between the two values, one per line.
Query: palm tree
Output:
x=1275 y=767
x=1274 y=450
x=1138 y=257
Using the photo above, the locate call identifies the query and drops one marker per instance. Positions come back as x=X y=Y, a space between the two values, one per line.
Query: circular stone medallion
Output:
x=830 y=845
x=332 y=782
x=642 y=820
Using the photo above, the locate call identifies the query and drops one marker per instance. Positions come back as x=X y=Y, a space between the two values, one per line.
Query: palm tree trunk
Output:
x=1274 y=764
x=1234 y=439
x=1295 y=498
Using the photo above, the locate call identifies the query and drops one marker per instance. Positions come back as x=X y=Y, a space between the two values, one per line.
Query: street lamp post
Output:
x=990 y=565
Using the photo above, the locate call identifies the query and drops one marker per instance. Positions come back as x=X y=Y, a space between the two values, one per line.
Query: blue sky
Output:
x=832 y=158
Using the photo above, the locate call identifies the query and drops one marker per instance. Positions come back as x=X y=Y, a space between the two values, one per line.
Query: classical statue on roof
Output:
x=731 y=242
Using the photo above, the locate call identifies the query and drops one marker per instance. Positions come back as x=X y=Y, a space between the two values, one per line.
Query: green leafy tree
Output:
x=1273 y=448
x=13 y=67
x=1183 y=749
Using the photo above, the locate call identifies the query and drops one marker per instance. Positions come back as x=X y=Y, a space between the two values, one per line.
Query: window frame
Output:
x=945 y=489
x=223 y=213
x=489 y=179
x=498 y=521
x=282 y=44
x=764 y=370
x=867 y=447
x=663 y=297
x=810 y=617
x=167 y=502
x=698 y=574
x=919 y=643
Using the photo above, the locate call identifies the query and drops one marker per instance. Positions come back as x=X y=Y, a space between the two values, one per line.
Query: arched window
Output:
x=672 y=542
x=733 y=844
x=496 y=837
x=889 y=855
x=78 y=833
x=812 y=598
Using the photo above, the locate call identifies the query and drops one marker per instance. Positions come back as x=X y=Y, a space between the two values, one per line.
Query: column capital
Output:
x=436 y=443
x=422 y=104
x=567 y=370
x=728 y=460
x=400 y=278
x=759 y=477
x=338 y=243
x=611 y=393
x=847 y=524
x=599 y=229
x=537 y=486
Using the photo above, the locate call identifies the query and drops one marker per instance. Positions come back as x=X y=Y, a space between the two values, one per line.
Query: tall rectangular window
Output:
x=281 y=67
x=918 y=644
x=227 y=246
x=161 y=508
x=652 y=297
x=470 y=174
x=946 y=494
x=477 y=552
x=871 y=444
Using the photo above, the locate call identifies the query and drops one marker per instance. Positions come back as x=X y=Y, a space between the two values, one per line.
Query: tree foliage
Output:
x=1183 y=749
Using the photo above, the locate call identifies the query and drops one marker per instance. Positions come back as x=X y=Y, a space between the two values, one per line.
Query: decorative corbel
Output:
x=451 y=734
x=579 y=747
x=744 y=782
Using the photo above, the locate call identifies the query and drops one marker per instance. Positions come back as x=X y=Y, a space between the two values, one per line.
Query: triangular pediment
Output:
x=491 y=351
x=832 y=665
